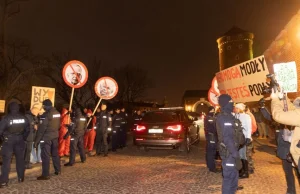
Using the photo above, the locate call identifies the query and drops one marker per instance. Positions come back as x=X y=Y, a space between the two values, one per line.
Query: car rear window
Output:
x=161 y=116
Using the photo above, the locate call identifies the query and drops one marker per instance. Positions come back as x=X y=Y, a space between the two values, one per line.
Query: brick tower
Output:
x=235 y=46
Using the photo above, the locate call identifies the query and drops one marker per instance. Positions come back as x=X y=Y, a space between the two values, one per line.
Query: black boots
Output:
x=244 y=173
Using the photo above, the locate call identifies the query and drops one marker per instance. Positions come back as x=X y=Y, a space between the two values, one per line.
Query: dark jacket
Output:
x=14 y=123
x=33 y=120
x=79 y=124
x=117 y=121
x=104 y=121
x=225 y=131
x=49 y=126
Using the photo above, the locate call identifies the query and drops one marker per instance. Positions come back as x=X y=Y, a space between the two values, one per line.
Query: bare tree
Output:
x=133 y=82
x=16 y=58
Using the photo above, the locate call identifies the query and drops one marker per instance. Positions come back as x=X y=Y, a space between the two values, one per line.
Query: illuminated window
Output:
x=228 y=47
x=221 y=50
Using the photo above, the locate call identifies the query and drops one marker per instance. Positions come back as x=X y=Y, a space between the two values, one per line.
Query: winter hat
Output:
x=240 y=106
x=47 y=102
x=224 y=99
x=89 y=111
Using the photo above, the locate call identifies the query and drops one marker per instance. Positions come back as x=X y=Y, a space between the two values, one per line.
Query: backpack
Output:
x=239 y=135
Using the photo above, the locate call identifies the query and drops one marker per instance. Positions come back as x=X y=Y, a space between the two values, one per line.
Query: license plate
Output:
x=156 y=130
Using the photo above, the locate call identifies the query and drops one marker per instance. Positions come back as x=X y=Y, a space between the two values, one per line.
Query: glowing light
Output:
x=188 y=108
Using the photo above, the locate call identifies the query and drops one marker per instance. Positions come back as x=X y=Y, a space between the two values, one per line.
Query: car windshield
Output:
x=161 y=116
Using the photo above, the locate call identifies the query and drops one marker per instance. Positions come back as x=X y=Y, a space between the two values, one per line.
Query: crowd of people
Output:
x=34 y=138
x=229 y=131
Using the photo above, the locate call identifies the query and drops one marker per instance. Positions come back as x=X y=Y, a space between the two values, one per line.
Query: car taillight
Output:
x=174 y=127
x=140 y=128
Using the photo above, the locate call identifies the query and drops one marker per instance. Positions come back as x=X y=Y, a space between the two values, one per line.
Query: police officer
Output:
x=47 y=137
x=117 y=120
x=104 y=122
x=211 y=139
x=14 y=130
x=123 y=129
x=231 y=163
x=33 y=121
x=76 y=129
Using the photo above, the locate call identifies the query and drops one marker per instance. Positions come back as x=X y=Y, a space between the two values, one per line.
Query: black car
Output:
x=169 y=128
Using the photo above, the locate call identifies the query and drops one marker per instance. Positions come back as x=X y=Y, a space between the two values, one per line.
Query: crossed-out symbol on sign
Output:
x=76 y=74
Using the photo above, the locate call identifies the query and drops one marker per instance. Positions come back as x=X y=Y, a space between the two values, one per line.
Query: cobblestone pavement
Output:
x=132 y=170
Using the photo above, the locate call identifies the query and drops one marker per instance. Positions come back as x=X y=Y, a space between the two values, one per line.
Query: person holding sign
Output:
x=64 y=144
x=104 y=123
x=287 y=146
x=90 y=134
x=47 y=137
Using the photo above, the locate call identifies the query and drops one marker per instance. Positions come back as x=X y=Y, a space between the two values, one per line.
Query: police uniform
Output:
x=123 y=129
x=76 y=130
x=116 y=126
x=231 y=164
x=47 y=137
x=14 y=129
x=211 y=141
x=104 y=122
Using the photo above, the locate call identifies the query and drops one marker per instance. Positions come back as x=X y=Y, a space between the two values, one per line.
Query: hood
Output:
x=64 y=111
x=89 y=111
x=14 y=107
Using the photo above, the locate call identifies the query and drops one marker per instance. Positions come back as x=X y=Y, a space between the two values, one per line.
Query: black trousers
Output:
x=211 y=151
x=28 y=152
x=115 y=138
x=289 y=176
x=49 y=148
x=76 y=142
x=15 y=144
x=101 y=141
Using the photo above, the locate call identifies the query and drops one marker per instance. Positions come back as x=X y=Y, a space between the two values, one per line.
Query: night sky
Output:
x=175 y=40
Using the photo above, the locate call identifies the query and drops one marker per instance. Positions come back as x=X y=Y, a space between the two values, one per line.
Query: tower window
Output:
x=228 y=47
x=240 y=46
x=237 y=57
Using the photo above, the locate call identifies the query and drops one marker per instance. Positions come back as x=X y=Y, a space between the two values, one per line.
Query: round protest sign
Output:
x=106 y=88
x=75 y=74
x=213 y=97
x=214 y=85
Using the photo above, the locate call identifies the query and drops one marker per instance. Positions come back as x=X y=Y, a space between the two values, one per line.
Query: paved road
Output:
x=157 y=171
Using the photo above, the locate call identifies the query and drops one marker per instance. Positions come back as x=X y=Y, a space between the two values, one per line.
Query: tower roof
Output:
x=234 y=31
